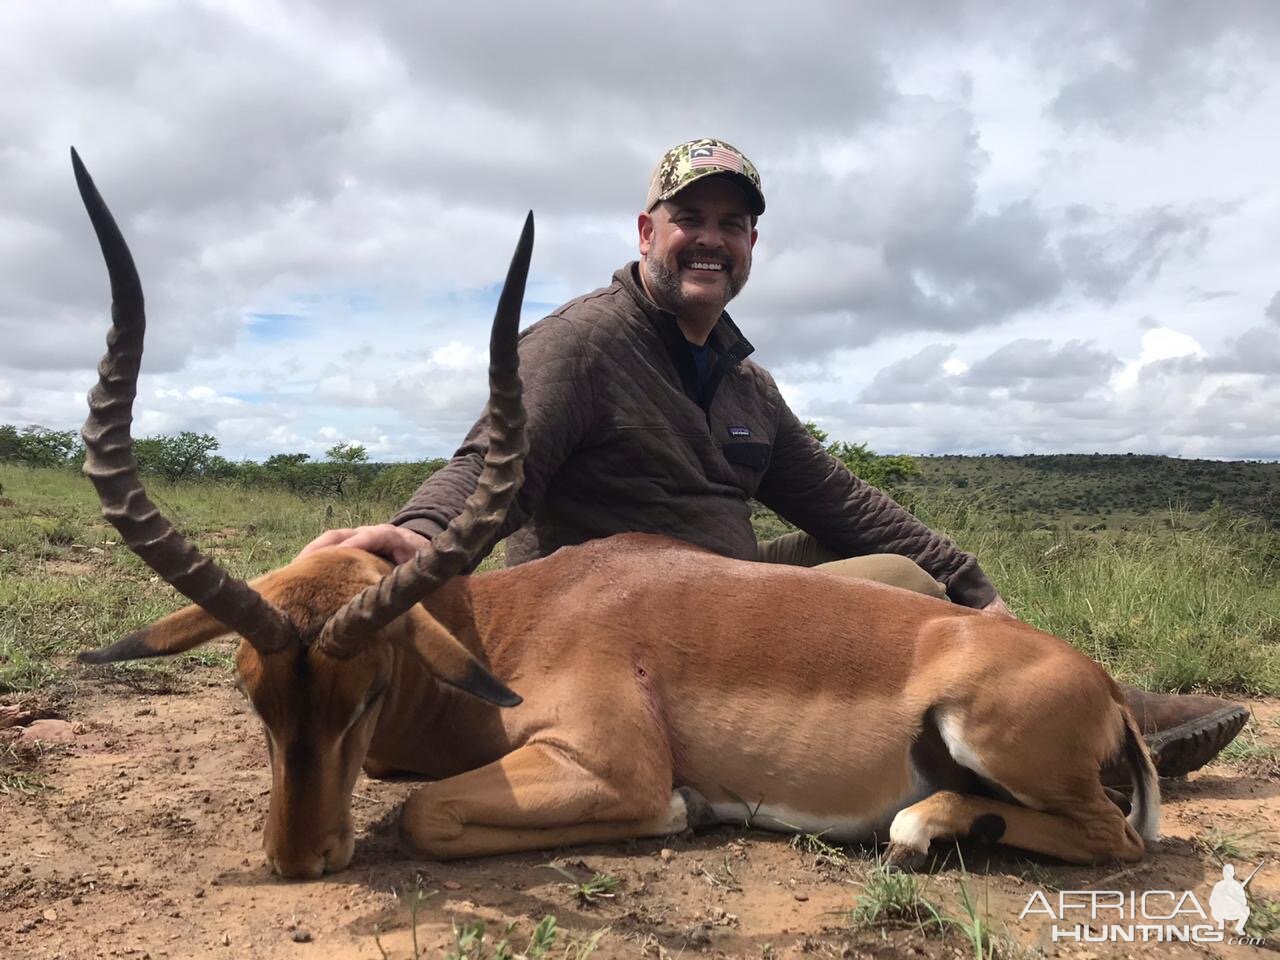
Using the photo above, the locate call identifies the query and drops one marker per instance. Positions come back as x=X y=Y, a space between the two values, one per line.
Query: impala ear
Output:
x=176 y=633
x=449 y=661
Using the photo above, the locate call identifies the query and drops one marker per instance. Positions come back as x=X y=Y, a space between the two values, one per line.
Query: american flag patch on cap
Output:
x=715 y=157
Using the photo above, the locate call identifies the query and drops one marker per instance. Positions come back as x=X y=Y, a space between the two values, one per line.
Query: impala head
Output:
x=319 y=636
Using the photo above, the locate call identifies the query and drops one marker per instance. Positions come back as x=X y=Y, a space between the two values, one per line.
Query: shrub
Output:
x=176 y=457
x=397 y=482
x=38 y=446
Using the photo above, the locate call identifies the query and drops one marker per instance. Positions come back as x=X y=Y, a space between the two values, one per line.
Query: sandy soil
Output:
x=147 y=844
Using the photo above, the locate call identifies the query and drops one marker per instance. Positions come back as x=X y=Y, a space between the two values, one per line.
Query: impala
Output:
x=663 y=686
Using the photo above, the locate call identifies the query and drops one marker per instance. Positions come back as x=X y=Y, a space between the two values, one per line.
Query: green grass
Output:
x=21 y=781
x=210 y=656
x=975 y=924
x=1177 y=602
x=601 y=886
x=1224 y=845
x=1114 y=489
x=16 y=775
x=545 y=943
x=891 y=898
x=1195 y=605
x=471 y=941
x=1264 y=918
x=1248 y=747
x=22 y=762
x=67 y=584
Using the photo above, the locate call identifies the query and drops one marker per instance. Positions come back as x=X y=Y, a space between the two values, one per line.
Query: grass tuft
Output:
x=892 y=898
x=601 y=886
x=975 y=925
x=1224 y=845
x=825 y=855
x=17 y=775
x=1264 y=917
x=62 y=532
x=470 y=943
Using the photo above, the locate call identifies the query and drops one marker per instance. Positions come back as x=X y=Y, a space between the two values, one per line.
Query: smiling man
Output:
x=645 y=414
x=696 y=241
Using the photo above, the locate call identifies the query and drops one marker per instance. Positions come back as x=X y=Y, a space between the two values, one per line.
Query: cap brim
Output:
x=755 y=199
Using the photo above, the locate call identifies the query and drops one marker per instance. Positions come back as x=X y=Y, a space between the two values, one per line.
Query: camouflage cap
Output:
x=690 y=162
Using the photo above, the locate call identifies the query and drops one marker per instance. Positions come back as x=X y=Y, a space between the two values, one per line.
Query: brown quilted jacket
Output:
x=618 y=443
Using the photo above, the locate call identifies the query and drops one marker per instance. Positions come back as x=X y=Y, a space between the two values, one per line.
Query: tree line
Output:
x=346 y=468
x=190 y=456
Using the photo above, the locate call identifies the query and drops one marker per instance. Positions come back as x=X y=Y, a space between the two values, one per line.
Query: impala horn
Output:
x=475 y=528
x=110 y=464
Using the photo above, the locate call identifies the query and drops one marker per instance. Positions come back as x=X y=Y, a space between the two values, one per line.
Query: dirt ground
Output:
x=146 y=843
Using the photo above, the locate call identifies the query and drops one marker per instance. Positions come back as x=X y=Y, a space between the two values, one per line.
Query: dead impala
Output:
x=823 y=703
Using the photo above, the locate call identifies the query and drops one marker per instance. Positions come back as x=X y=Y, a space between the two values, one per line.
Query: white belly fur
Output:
x=782 y=819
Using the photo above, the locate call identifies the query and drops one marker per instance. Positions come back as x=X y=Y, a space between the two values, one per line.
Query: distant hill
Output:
x=1097 y=485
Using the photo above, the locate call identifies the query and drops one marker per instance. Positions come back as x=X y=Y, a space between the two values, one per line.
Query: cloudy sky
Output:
x=992 y=227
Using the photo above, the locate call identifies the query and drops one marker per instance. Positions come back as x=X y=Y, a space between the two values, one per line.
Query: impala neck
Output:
x=428 y=727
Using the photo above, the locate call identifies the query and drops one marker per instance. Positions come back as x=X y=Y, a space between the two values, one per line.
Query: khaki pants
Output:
x=800 y=550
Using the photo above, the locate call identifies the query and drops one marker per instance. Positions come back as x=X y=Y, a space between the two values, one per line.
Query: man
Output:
x=646 y=415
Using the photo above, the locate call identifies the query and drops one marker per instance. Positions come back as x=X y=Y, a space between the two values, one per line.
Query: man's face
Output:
x=697 y=247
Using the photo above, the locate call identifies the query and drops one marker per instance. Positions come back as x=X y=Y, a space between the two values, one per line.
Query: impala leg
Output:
x=533 y=798
x=1094 y=830
x=381 y=771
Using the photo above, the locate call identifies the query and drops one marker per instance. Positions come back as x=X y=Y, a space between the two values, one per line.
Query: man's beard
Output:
x=666 y=282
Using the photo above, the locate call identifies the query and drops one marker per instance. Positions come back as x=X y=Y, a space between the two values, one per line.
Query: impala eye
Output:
x=373 y=696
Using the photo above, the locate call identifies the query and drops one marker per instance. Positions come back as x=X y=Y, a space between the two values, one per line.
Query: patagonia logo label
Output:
x=739 y=431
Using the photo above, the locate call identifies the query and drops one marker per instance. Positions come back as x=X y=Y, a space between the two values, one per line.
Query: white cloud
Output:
x=1009 y=181
x=342 y=388
x=458 y=356
x=1158 y=343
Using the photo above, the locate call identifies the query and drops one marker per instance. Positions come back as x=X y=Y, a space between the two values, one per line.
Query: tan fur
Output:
x=647 y=664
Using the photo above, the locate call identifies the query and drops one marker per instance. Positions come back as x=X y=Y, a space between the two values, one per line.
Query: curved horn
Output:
x=110 y=464
x=450 y=552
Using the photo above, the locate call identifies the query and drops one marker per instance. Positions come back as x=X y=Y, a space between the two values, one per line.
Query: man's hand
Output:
x=998 y=606
x=394 y=543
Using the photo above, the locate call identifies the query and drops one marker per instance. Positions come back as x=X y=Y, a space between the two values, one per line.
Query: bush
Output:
x=38 y=446
x=288 y=470
x=880 y=471
x=884 y=472
x=179 y=457
x=397 y=482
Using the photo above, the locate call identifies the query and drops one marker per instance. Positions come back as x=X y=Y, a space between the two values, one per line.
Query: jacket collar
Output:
x=726 y=339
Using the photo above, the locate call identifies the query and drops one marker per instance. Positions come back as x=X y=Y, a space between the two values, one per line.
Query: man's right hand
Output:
x=396 y=544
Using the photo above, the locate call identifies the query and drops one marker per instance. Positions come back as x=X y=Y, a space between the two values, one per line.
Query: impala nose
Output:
x=309 y=868
x=335 y=856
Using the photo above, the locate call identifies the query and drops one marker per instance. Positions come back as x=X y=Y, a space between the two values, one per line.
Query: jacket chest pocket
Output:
x=754 y=456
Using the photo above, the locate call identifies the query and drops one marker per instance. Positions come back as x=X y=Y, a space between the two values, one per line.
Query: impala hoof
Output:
x=904 y=858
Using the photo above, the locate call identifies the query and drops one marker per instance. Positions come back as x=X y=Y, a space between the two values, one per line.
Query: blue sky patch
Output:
x=274 y=327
